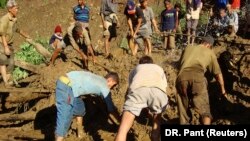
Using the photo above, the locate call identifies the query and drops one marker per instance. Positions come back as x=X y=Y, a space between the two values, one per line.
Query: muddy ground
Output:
x=38 y=18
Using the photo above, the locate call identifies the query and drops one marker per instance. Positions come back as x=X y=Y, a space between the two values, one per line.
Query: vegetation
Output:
x=28 y=54
x=3 y=3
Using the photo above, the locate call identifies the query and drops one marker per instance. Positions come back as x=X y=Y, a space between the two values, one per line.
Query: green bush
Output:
x=3 y=3
x=28 y=54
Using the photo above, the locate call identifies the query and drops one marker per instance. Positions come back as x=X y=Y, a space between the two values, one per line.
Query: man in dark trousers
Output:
x=191 y=82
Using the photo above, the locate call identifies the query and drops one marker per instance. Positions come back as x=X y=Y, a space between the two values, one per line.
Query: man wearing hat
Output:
x=191 y=82
x=7 y=29
x=138 y=27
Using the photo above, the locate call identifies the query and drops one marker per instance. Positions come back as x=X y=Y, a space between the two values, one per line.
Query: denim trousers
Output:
x=67 y=105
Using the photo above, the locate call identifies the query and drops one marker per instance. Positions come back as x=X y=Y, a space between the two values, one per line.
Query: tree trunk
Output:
x=26 y=66
x=39 y=48
x=23 y=97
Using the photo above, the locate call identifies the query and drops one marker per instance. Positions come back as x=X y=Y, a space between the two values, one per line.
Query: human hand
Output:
x=7 y=51
x=157 y=31
x=105 y=26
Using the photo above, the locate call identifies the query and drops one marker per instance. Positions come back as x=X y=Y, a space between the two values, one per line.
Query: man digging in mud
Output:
x=147 y=89
x=78 y=38
x=7 y=28
x=68 y=103
x=138 y=28
x=192 y=84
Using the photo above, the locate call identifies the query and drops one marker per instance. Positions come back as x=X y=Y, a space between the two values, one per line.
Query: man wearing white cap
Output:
x=7 y=27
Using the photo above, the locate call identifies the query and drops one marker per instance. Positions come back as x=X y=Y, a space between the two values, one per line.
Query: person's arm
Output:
x=162 y=14
x=155 y=25
x=74 y=44
x=137 y=26
x=88 y=43
x=103 y=22
x=113 y=113
x=176 y=21
x=130 y=25
x=5 y=45
x=153 y=21
x=219 y=79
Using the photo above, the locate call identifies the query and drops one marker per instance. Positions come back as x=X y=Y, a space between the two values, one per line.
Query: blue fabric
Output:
x=223 y=22
x=53 y=38
x=84 y=83
x=168 y=19
x=221 y=3
x=109 y=103
x=64 y=105
x=79 y=107
x=81 y=14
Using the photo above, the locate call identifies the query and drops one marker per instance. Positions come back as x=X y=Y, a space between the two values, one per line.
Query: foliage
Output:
x=19 y=73
x=3 y=3
x=28 y=54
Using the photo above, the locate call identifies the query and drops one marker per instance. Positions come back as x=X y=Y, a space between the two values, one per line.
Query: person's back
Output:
x=147 y=89
x=84 y=82
x=197 y=59
x=147 y=75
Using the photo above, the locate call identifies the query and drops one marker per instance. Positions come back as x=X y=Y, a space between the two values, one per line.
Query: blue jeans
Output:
x=67 y=106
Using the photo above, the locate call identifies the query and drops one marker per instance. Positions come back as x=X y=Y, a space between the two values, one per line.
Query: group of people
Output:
x=147 y=82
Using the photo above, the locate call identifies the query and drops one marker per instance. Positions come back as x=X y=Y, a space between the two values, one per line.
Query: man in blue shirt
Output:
x=68 y=103
x=169 y=20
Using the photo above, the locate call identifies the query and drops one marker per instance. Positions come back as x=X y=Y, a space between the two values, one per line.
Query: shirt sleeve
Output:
x=102 y=8
x=131 y=76
x=3 y=25
x=139 y=12
x=109 y=103
x=214 y=66
x=152 y=16
x=125 y=11
x=86 y=37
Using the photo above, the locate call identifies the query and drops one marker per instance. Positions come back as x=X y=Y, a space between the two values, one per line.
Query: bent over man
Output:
x=192 y=84
x=75 y=84
x=147 y=89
